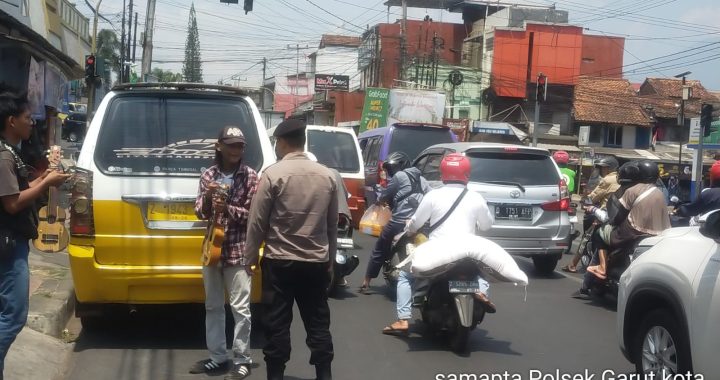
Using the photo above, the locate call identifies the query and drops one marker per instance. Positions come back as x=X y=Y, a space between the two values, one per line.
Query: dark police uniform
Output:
x=295 y=212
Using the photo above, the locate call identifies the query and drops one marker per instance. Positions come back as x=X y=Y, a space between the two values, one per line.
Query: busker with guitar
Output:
x=18 y=217
x=232 y=272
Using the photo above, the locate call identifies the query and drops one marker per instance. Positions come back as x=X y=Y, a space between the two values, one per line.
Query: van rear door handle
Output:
x=141 y=198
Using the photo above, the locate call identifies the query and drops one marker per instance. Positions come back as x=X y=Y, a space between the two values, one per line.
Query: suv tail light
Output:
x=561 y=205
x=382 y=178
x=82 y=222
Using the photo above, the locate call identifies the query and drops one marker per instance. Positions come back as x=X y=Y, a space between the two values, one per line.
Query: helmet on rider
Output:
x=715 y=175
x=455 y=168
x=629 y=174
x=649 y=171
x=396 y=162
x=607 y=162
x=561 y=157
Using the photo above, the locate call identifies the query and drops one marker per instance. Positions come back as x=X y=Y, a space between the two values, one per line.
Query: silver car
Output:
x=524 y=191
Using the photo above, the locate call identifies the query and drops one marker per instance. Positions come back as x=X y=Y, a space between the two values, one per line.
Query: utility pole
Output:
x=540 y=96
x=403 y=41
x=122 y=47
x=262 y=85
x=297 y=73
x=134 y=38
x=147 y=41
x=681 y=120
x=129 y=43
x=93 y=50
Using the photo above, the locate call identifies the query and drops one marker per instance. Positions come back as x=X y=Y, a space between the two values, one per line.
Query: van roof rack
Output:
x=179 y=86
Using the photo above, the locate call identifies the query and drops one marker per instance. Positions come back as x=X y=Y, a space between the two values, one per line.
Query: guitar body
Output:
x=52 y=234
x=212 y=246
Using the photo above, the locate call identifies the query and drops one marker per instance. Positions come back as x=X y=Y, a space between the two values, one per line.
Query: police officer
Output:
x=295 y=212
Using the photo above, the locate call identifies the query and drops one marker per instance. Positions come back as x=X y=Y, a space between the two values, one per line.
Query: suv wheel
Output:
x=545 y=264
x=660 y=346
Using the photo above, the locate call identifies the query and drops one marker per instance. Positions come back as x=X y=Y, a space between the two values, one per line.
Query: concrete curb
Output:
x=53 y=303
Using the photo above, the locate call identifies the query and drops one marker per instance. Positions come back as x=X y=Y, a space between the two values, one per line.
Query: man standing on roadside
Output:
x=18 y=217
x=295 y=212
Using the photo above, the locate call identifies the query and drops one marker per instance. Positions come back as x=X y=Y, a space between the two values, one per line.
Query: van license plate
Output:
x=514 y=212
x=176 y=211
x=464 y=286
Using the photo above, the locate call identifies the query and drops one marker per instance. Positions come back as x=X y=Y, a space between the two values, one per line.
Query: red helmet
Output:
x=455 y=168
x=715 y=172
x=561 y=157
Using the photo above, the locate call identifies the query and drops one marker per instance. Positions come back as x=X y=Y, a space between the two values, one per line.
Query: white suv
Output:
x=669 y=302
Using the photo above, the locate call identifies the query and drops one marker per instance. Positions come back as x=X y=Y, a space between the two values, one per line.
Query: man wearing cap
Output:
x=232 y=273
x=295 y=212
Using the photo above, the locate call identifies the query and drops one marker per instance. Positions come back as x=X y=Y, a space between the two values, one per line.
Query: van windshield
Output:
x=152 y=135
x=334 y=149
x=413 y=140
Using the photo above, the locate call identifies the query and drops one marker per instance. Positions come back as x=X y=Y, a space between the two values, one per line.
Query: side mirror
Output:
x=710 y=225
x=674 y=199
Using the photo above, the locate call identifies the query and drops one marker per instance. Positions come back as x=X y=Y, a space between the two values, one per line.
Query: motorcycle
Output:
x=680 y=221
x=447 y=302
x=617 y=262
x=344 y=262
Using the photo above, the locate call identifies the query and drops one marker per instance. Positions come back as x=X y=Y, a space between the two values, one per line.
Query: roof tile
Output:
x=608 y=100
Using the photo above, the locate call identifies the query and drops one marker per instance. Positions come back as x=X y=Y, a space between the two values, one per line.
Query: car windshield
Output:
x=335 y=150
x=144 y=134
x=413 y=140
x=513 y=168
x=81 y=108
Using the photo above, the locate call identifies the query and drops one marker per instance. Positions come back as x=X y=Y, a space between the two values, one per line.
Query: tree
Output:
x=192 y=67
x=108 y=48
x=166 y=75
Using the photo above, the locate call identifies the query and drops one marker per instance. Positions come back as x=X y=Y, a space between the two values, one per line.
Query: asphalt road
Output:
x=545 y=331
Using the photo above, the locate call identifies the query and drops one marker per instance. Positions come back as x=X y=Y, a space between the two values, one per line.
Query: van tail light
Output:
x=561 y=205
x=82 y=222
x=382 y=177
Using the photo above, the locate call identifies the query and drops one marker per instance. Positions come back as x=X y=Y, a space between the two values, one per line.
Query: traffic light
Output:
x=706 y=118
x=541 y=92
x=248 y=6
x=89 y=68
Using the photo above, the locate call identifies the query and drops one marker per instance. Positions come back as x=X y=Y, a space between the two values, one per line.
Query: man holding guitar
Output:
x=231 y=272
x=18 y=217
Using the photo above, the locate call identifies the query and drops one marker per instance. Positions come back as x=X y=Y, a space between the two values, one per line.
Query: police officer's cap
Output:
x=289 y=128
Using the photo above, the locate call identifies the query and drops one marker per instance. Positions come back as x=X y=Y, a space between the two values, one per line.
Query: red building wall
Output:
x=602 y=56
x=348 y=105
x=561 y=52
x=419 y=43
x=556 y=52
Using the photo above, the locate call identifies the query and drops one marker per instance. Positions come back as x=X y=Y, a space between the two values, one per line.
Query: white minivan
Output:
x=135 y=238
x=338 y=148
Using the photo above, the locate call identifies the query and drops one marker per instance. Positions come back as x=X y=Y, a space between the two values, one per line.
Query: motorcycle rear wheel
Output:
x=459 y=338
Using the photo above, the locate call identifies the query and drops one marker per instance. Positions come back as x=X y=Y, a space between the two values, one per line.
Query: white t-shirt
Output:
x=470 y=215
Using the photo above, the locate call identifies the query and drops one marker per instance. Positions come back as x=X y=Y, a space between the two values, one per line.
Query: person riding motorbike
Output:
x=708 y=200
x=608 y=185
x=404 y=192
x=470 y=215
x=639 y=211
x=562 y=158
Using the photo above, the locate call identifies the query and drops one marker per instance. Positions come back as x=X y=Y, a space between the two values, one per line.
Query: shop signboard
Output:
x=375 y=109
x=325 y=82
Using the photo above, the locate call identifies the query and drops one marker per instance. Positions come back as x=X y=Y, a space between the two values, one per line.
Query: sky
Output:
x=663 y=37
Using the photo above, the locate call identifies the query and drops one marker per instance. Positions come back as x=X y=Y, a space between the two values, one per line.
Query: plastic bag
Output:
x=374 y=219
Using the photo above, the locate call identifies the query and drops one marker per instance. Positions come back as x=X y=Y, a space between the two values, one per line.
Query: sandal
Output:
x=569 y=269
x=363 y=289
x=393 y=330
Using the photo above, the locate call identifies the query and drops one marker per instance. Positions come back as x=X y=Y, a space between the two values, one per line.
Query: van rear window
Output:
x=524 y=169
x=413 y=140
x=150 y=135
x=334 y=150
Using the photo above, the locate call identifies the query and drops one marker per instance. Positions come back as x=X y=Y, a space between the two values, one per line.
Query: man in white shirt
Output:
x=469 y=216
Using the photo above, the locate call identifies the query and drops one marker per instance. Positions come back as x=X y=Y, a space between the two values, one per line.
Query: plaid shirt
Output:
x=238 y=208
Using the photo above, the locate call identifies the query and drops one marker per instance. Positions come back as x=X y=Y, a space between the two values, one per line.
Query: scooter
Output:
x=680 y=221
x=447 y=302
x=617 y=262
x=344 y=262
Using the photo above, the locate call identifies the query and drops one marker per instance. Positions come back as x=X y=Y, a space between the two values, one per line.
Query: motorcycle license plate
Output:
x=345 y=243
x=463 y=286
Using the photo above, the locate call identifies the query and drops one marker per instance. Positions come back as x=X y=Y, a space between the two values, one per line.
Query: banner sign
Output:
x=459 y=127
x=414 y=106
x=375 y=109
x=325 y=82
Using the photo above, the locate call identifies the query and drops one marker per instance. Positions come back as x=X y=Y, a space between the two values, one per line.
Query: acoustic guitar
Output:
x=215 y=236
x=52 y=234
